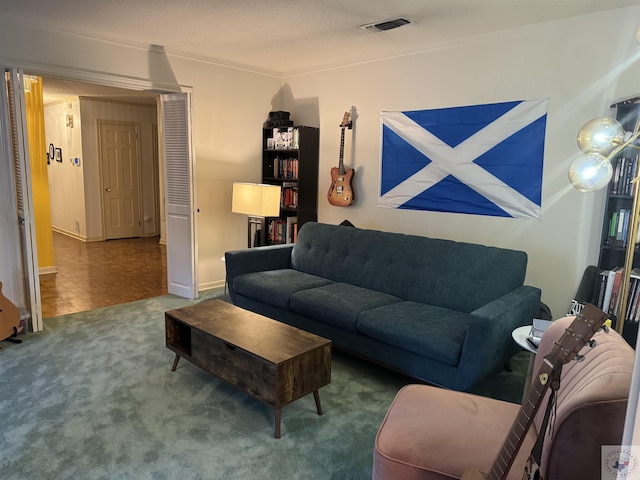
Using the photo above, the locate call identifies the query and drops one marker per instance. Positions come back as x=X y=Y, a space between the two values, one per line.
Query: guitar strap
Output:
x=536 y=451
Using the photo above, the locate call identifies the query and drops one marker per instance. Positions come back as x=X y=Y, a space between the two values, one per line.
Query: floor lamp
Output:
x=600 y=140
x=257 y=201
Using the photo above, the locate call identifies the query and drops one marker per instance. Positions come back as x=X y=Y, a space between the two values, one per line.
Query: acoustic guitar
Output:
x=9 y=318
x=577 y=335
x=341 y=189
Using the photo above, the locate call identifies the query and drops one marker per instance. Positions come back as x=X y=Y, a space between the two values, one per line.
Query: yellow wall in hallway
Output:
x=39 y=176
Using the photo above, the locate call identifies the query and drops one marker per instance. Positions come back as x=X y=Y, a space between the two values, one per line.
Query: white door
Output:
x=15 y=181
x=179 y=194
x=120 y=166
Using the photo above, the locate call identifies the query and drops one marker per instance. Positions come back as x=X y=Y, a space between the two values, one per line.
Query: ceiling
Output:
x=286 y=37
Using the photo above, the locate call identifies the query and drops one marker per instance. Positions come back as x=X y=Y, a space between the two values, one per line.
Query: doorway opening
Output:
x=129 y=262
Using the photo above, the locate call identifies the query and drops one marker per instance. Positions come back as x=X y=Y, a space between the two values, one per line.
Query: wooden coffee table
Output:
x=274 y=362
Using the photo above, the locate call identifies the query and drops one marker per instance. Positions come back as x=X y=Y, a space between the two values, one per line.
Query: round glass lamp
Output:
x=590 y=172
x=600 y=135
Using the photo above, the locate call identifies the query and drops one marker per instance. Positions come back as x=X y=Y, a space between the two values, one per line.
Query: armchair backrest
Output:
x=591 y=404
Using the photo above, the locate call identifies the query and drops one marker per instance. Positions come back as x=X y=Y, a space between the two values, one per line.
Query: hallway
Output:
x=100 y=274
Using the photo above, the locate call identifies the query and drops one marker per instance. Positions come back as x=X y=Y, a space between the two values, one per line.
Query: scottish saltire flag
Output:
x=481 y=159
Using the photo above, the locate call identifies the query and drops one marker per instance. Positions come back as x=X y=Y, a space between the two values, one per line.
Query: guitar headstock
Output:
x=578 y=334
x=346 y=120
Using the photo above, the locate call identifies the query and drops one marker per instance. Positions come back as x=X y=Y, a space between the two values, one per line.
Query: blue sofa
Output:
x=437 y=310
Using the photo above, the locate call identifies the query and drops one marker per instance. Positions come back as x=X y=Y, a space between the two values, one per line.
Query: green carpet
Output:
x=93 y=397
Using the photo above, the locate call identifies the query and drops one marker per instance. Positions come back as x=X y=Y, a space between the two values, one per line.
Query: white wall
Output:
x=66 y=185
x=580 y=64
x=75 y=191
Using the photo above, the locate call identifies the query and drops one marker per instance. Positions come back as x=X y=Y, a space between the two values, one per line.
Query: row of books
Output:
x=618 y=227
x=280 y=230
x=289 y=197
x=624 y=170
x=633 y=303
x=284 y=138
x=285 y=168
x=608 y=293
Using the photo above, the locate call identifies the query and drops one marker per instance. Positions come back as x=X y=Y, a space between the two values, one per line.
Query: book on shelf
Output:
x=615 y=291
x=634 y=290
x=633 y=300
x=602 y=286
x=292 y=229
x=608 y=289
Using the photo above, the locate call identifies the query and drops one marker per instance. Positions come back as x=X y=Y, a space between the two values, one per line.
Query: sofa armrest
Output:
x=259 y=259
x=489 y=334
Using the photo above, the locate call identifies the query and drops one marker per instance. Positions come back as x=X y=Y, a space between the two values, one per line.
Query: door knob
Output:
x=108 y=189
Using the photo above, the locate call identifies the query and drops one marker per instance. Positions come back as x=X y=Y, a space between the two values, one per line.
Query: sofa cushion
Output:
x=419 y=269
x=433 y=332
x=338 y=304
x=275 y=287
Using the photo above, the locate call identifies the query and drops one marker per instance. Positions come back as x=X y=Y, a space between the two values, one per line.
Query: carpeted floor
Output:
x=93 y=397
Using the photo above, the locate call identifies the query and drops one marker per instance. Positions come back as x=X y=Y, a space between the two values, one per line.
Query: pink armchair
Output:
x=430 y=433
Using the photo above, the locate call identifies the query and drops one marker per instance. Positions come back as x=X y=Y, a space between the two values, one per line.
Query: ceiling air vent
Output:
x=386 y=25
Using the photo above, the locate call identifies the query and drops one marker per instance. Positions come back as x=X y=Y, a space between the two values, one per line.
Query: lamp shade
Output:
x=600 y=135
x=257 y=200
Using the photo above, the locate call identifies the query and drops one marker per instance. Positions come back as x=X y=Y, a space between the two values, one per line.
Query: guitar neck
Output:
x=341 y=169
x=521 y=424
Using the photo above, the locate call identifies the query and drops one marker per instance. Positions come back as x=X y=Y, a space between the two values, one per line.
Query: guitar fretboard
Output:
x=341 y=170
x=521 y=424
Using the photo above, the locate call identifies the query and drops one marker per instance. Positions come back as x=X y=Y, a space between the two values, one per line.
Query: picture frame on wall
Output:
x=59 y=155
x=50 y=153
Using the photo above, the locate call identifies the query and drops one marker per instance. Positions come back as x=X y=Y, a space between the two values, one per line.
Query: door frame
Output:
x=97 y=78
x=15 y=180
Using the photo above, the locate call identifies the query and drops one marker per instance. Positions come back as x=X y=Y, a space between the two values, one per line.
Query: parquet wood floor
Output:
x=101 y=274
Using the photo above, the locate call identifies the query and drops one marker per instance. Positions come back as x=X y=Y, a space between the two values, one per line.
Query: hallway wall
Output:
x=76 y=192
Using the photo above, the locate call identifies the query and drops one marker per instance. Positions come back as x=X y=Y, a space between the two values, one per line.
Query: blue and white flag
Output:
x=481 y=159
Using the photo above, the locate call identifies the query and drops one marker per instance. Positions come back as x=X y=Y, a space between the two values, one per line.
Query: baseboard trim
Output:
x=68 y=233
x=47 y=270
x=211 y=285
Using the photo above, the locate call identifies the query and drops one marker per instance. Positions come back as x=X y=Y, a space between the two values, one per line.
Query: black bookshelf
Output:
x=290 y=159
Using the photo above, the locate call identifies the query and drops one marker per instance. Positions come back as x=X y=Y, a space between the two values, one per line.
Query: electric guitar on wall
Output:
x=341 y=189
x=564 y=350
x=9 y=318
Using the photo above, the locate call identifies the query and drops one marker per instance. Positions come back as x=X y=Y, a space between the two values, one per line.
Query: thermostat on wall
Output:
x=76 y=161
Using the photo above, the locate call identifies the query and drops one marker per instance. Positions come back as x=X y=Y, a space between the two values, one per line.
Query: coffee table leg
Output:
x=278 y=416
x=175 y=363
x=316 y=397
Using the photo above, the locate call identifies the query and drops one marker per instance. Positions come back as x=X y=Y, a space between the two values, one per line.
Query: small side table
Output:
x=520 y=335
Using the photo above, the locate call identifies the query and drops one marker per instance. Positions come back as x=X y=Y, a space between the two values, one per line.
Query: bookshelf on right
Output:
x=617 y=213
